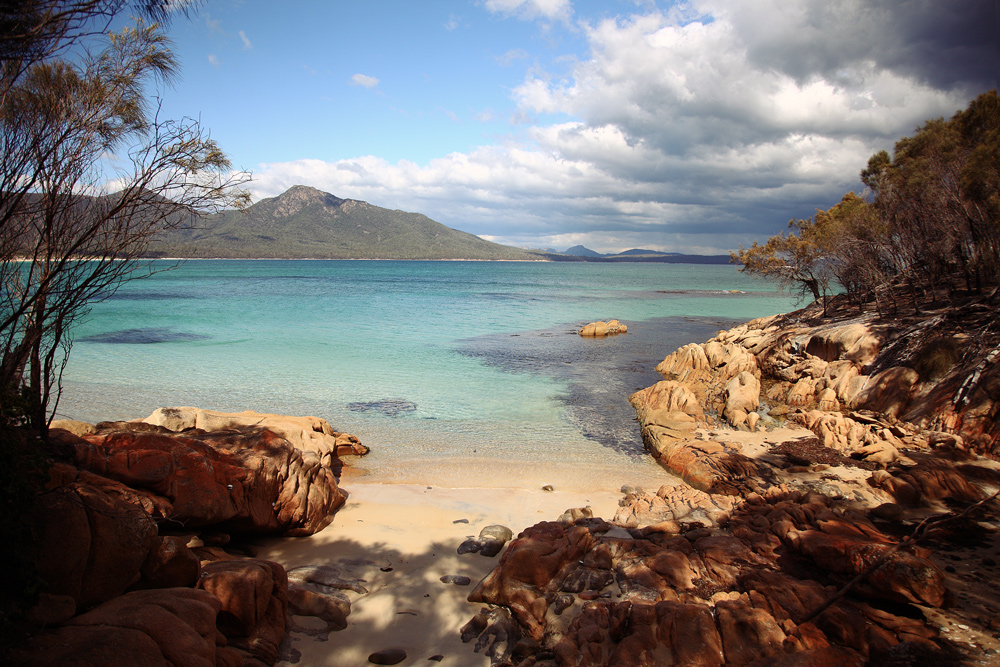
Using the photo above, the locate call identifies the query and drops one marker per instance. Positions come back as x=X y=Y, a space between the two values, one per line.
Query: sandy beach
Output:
x=401 y=539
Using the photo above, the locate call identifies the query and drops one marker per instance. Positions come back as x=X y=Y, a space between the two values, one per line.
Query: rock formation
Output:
x=609 y=328
x=128 y=579
x=815 y=452
x=579 y=596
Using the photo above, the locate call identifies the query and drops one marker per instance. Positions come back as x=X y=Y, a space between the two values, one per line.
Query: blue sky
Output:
x=688 y=126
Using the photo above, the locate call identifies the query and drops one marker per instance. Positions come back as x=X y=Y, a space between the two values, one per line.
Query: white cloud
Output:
x=692 y=130
x=364 y=80
x=246 y=41
x=213 y=60
x=552 y=10
x=511 y=56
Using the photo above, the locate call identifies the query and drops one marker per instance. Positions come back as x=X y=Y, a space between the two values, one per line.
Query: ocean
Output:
x=454 y=373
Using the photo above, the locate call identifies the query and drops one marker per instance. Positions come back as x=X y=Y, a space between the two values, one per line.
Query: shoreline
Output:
x=413 y=532
x=415 y=529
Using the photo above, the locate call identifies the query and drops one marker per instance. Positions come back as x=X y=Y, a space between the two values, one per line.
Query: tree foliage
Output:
x=929 y=223
x=89 y=174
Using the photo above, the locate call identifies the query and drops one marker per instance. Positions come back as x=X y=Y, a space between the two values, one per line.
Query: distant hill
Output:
x=639 y=251
x=671 y=258
x=582 y=251
x=305 y=222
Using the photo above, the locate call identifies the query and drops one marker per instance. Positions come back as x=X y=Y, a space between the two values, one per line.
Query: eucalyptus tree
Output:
x=89 y=173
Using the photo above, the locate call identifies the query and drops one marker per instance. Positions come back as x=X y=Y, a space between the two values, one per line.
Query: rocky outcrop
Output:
x=92 y=544
x=151 y=597
x=248 y=481
x=669 y=414
x=587 y=593
x=601 y=328
x=168 y=627
x=823 y=372
x=783 y=545
x=253 y=596
x=309 y=434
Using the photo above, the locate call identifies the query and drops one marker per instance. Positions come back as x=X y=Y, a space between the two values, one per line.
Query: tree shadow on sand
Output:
x=406 y=605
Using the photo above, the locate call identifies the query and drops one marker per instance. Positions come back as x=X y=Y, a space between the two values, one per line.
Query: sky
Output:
x=690 y=126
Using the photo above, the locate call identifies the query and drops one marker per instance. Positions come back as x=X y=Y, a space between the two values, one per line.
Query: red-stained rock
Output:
x=91 y=544
x=170 y=564
x=703 y=464
x=931 y=479
x=241 y=481
x=531 y=564
x=254 y=602
x=172 y=627
x=643 y=635
x=748 y=634
x=888 y=392
x=904 y=577
x=709 y=597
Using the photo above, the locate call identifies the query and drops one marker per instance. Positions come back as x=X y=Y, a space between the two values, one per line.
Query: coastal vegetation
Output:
x=89 y=173
x=927 y=226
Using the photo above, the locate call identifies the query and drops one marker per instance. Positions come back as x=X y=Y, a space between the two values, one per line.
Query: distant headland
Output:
x=306 y=223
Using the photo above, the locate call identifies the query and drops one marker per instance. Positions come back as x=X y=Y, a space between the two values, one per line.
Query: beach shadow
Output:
x=406 y=605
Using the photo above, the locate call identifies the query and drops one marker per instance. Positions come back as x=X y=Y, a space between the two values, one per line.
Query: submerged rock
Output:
x=391 y=407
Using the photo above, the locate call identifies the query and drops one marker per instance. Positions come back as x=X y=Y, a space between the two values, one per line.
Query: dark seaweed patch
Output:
x=600 y=373
x=144 y=336
x=391 y=407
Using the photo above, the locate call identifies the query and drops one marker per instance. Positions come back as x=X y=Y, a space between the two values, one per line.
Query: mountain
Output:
x=582 y=251
x=639 y=251
x=304 y=222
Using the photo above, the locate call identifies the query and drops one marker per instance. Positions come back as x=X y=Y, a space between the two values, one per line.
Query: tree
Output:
x=89 y=174
x=931 y=223
x=794 y=259
x=937 y=197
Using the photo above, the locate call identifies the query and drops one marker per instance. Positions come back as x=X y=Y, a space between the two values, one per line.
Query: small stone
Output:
x=457 y=579
x=497 y=532
x=388 y=656
x=436 y=658
x=460 y=521
x=548 y=487
x=490 y=547
x=469 y=546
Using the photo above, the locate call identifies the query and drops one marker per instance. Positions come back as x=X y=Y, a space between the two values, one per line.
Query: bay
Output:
x=457 y=373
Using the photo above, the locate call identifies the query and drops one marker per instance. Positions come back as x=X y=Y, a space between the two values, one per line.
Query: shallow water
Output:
x=466 y=373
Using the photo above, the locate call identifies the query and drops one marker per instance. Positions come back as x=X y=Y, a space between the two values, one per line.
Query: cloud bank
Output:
x=692 y=129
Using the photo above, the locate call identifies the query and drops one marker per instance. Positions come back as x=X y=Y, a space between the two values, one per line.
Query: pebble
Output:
x=387 y=656
x=469 y=546
x=497 y=532
x=457 y=579
x=436 y=658
x=460 y=521
x=548 y=487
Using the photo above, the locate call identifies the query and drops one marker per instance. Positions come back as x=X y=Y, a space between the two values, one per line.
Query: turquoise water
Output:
x=480 y=358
